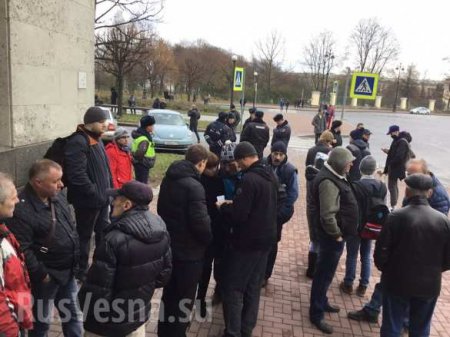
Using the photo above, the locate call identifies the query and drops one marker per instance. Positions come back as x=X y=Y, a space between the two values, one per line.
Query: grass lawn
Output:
x=163 y=160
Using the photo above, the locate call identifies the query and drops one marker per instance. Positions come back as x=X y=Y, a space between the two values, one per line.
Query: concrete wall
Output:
x=46 y=45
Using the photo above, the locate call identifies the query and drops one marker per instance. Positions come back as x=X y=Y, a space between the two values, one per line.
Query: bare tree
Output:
x=131 y=11
x=118 y=51
x=270 y=51
x=410 y=84
x=375 y=45
x=319 y=58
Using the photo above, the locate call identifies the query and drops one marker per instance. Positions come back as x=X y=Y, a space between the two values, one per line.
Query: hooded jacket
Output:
x=86 y=169
x=282 y=133
x=397 y=157
x=254 y=210
x=257 y=133
x=120 y=162
x=359 y=150
x=133 y=259
x=182 y=205
x=217 y=133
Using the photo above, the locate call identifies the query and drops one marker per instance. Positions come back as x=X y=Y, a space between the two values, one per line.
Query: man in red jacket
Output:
x=15 y=296
x=120 y=160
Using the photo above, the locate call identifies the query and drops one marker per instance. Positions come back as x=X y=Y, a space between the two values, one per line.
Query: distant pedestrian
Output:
x=319 y=124
x=120 y=159
x=237 y=116
x=331 y=110
x=113 y=99
x=194 y=116
x=257 y=133
x=143 y=149
x=416 y=231
x=230 y=121
x=282 y=132
x=286 y=103
x=132 y=104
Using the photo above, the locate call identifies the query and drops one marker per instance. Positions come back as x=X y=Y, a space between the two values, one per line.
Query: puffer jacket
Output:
x=398 y=155
x=86 y=169
x=182 y=205
x=120 y=162
x=282 y=133
x=133 y=259
x=15 y=293
x=359 y=150
x=257 y=133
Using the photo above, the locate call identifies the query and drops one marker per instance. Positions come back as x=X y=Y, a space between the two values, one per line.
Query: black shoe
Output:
x=324 y=327
x=264 y=284
x=362 y=316
x=332 y=308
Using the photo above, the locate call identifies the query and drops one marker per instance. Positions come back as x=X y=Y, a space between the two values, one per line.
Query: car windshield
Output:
x=168 y=119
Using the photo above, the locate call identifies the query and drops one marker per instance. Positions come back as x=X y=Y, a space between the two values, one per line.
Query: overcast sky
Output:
x=422 y=30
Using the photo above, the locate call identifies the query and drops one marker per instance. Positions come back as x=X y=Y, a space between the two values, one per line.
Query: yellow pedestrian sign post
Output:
x=238 y=82
x=364 y=86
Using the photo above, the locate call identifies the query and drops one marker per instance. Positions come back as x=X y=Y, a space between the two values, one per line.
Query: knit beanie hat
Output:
x=338 y=159
x=279 y=147
x=368 y=165
x=227 y=153
x=243 y=150
x=94 y=114
x=120 y=132
x=147 y=120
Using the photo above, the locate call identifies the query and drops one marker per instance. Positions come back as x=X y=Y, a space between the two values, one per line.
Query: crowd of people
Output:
x=213 y=215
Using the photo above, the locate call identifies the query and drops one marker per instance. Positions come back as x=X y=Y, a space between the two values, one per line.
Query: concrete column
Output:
x=315 y=98
x=431 y=103
x=333 y=98
x=378 y=102
x=46 y=76
x=354 y=102
x=403 y=101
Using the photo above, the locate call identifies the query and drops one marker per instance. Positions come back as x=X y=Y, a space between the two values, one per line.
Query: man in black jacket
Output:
x=412 y=251
x=257 y=133
x=253 y=217
x=324 y=145
x=87 y=173
x=251 y=111
x=43 y=225
x=217 y=133
x=359 y=149
x=182 y=206
x=335 y=210
x=397 y=156
x=132 y=260
x=282 y=131
x=194 y=116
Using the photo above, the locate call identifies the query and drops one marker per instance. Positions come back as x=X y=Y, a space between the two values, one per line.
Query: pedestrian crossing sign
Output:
x=364 y=86
x=238 y=83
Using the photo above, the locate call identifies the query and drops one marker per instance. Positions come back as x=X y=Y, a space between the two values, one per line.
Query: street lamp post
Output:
x=344 y=98
x=255 y=75
x=400 y=69
x=234 y=59
x=328 y=56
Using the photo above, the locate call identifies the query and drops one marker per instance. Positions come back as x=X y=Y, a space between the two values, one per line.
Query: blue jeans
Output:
x=330 y=252
x=46 y=296
x=355 y=244
x=243 y=277
x=395 y=310
x=373 y=307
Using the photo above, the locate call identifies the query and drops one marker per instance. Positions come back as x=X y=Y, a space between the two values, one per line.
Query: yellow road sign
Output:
x=364 y=86
x=238 y=82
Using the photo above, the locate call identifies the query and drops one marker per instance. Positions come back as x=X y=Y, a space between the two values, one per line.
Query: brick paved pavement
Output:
x=285 y=301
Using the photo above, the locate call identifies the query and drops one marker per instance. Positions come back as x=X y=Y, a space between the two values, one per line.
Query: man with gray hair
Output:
x=335 y=209
x=44 y=226
x=15 y=297
x=417 y=231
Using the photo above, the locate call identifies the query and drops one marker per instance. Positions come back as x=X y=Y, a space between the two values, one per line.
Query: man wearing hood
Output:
x=217 y=133
x=335 y=210
x=253 y=235
x=359 y=149
x=336 y=131
x=287 y=194
x=182 y=205
x=88 y=176
x=397 y=156
x=282 y=131
x=119 y=157
x=257 y=133
x=133 y=259
x=143 y=149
